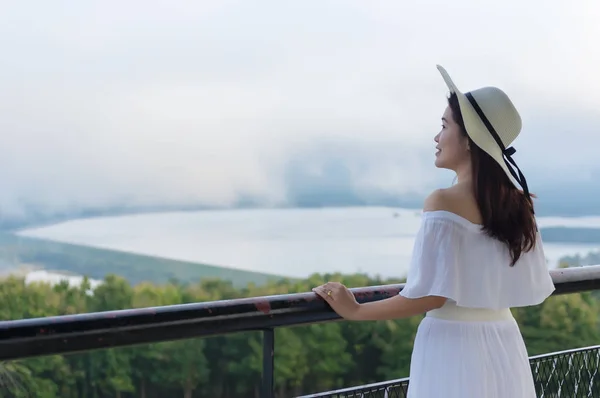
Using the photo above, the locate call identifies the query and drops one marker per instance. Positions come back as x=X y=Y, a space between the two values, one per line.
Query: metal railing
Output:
x=387 y=389
x=73 y=333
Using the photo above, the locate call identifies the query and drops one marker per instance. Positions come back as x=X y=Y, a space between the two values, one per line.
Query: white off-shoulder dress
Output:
x=471 y=347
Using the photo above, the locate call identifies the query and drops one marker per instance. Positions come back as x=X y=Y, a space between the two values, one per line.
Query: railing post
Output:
x=268 y=363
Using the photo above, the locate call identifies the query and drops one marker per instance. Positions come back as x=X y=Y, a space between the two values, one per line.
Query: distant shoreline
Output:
x=17 y=227
x=256 y=244
x=554 y=234
x=571 y=235
x=21 y=255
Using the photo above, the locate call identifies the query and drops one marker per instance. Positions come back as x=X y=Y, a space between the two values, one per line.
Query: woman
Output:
x=477 y=254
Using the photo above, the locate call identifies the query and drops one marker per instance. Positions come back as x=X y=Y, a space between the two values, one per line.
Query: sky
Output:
x=109 y=102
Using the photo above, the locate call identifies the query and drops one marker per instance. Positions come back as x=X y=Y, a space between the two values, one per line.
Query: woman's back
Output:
x=455 y=258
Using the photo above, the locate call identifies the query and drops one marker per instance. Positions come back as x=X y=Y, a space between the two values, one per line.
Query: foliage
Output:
x=577 y=260
x=307 y=358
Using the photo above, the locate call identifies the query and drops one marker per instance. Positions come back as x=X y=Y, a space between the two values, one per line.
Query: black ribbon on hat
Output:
x=506 y=152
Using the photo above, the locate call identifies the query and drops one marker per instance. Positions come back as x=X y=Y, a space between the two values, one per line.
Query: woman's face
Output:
x=452 y=146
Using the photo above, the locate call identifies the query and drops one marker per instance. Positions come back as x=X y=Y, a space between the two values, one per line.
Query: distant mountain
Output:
x=552 y=201
x=333 y=185
x=570 y=235
x=569 y=199
x=304 y=199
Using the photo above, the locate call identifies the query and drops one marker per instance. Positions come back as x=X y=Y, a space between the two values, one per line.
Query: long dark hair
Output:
x=506 y=213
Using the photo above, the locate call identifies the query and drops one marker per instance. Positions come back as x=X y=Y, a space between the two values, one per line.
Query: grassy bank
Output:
x=95 y=263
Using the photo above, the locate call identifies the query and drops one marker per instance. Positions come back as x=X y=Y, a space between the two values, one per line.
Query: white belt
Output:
x=454 y=313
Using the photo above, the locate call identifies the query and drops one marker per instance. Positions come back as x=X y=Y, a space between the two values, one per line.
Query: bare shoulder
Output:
x=439 y=199
x=457 y=200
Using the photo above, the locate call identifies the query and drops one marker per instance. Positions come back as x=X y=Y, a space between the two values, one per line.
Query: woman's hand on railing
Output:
x=340 y=299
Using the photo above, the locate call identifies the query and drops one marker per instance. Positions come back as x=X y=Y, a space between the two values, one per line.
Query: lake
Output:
x=293 y=242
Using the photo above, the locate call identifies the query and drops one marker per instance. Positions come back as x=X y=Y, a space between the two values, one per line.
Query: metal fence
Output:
x=565 y=374
x=388 y=389
x=83 y=332
x=572 y=373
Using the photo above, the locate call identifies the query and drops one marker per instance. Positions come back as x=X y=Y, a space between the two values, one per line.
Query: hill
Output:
x=96 y=263
x=570 y=235
x=305 y=189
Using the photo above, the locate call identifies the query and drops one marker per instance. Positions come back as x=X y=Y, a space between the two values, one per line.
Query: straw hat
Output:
x=493 y=123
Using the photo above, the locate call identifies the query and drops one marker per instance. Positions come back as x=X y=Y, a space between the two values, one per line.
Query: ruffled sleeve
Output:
x=453 y=258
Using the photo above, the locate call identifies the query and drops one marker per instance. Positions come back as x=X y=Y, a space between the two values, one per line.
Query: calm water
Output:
x=294 y=242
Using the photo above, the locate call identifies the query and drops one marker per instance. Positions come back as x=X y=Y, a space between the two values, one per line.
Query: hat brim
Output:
x=475 y=127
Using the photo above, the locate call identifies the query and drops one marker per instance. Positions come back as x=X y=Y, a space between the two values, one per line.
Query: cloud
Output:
x=211 y=102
